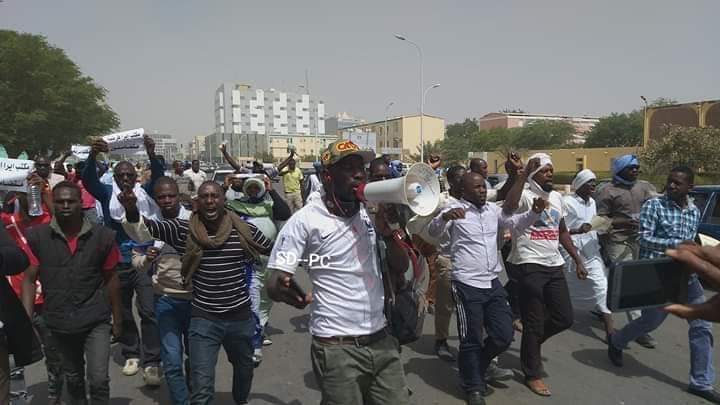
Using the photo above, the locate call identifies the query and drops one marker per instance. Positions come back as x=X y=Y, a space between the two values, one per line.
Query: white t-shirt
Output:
x=540 y=242
x=341 y=255
x=197 y=178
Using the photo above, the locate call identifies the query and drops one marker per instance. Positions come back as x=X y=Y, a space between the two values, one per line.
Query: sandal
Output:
x=538 y=387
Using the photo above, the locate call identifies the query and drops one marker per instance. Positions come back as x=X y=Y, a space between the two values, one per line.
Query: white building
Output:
x=255 y=114
x=166 y=146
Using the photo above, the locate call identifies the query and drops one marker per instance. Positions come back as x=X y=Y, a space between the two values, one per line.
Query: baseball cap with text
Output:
x=341 y=149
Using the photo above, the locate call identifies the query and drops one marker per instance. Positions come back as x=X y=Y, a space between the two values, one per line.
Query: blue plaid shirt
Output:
x=664 y=225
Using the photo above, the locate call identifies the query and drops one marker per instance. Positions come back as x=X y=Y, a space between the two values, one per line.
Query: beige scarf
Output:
x=198 y=240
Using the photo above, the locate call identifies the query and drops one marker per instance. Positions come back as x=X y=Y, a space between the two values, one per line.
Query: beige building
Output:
x=565 y=160
x=518 y=120
x=305 y=145
x=402 y=137
x=197 y=148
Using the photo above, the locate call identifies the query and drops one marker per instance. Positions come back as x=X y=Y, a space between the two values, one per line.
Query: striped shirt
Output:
x=664 y=225
x=219 y=283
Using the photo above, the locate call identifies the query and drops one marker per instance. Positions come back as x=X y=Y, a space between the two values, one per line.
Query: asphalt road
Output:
x=576 y=362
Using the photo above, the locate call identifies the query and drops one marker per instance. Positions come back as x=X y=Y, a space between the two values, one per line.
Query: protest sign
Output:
x=126 y=142
x=13 y=174
x=81 y=152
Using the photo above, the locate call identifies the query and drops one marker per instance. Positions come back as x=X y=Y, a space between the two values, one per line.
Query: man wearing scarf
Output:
x=544 y=298
x=218 y=251
x=131 y=281
x=261 y=206
x=620 y=201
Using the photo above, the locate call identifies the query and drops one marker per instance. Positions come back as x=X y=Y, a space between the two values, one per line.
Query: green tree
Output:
x=621 y=129
x=430 y=148
x=617 y=129
x=697 y=148
x=46 y=103
x=543 y=134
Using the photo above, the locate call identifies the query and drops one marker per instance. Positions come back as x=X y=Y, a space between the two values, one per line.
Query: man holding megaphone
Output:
x=355 y=359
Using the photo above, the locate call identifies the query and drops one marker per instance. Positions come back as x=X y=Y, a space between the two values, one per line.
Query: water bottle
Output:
x=34 y=201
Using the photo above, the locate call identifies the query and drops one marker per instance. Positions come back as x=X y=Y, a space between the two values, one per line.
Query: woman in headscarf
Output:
x=263 y=207
x=591 y=293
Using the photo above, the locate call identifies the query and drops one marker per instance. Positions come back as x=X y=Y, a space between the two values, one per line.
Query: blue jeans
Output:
x=173 y=317
x=702 y=372
x=206 y=336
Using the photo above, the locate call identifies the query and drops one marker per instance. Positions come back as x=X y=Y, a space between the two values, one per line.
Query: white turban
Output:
x=544 y=161
x=583 y=177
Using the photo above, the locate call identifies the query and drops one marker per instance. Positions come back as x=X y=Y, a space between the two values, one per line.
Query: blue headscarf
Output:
x=620 y=164
x=396 y=168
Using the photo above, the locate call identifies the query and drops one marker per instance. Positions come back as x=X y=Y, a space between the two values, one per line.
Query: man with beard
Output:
x=620 y=201
x=544 y=298
x=472 y=226
x=665 y=223
x=132 y=283
x=76 y=261
x=355 y=360
x=219 y=250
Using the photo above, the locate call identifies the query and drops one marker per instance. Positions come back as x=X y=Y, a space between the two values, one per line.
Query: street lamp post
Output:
x=403 y=38
x=387 y=108
x=422 y=112
x=644 y=116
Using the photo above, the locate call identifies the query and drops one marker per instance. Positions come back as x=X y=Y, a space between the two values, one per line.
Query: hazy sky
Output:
x=161 y=60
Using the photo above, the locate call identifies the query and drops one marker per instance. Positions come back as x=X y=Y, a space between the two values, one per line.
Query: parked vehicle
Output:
x=707 y=199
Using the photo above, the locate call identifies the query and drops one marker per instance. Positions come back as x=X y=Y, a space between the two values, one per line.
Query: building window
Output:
x=579 y=164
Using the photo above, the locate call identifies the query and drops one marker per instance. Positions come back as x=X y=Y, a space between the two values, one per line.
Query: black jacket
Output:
x=73 y=284
x=22 y=341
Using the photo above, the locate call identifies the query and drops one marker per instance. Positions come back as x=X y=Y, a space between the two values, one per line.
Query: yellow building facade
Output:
x=305 y=145
x=402 y=137
x=565 y=160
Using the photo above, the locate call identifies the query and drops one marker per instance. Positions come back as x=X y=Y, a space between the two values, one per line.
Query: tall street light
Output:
x=403 y=38
x=644 y=116
x=422 y=112
x=387 y=108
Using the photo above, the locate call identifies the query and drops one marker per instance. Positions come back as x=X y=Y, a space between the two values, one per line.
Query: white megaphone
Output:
x=419 y=189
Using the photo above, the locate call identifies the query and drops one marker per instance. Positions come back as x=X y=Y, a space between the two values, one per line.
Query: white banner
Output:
x=81 y=152
x=128 y=142
x=13 y=174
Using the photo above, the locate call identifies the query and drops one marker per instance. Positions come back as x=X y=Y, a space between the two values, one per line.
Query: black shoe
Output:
x=443 y=351
x=475 y=398
x=709 y=395
x=646 y=341
x=614 y=354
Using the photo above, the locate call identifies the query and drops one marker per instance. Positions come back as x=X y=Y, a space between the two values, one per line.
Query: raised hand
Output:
x=513 y=164
x=149 y=146
x=453 y=214
x=98 y=146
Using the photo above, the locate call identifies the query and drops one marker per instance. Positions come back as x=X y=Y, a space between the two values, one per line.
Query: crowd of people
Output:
x=204 y=263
